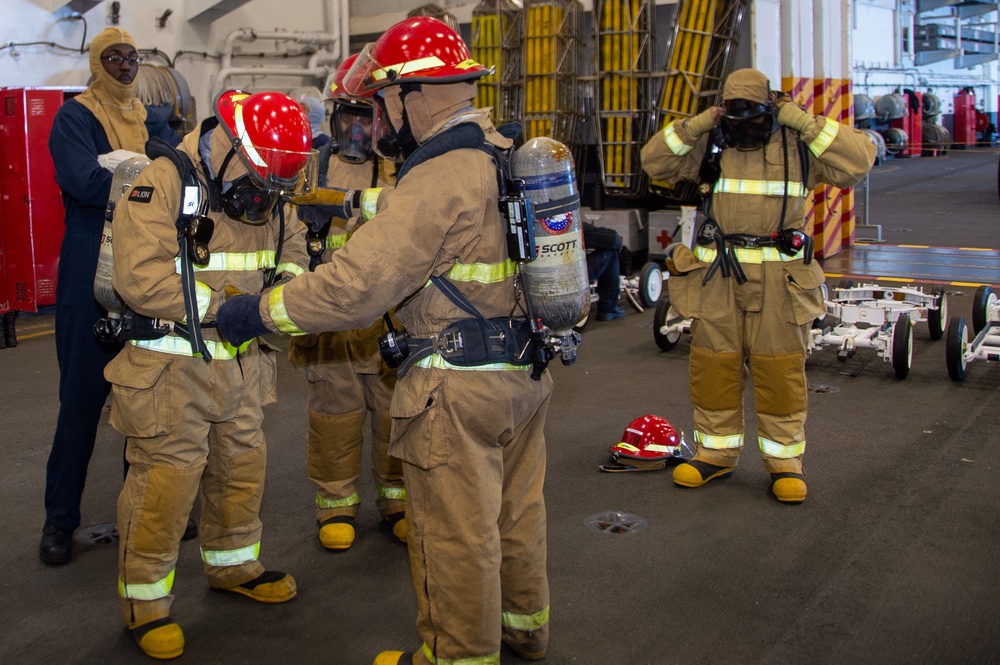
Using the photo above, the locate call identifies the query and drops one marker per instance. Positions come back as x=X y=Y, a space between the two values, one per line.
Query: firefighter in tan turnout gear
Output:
x=468 y=417
x=750 y=283
x=348 y=381
x=196 y=226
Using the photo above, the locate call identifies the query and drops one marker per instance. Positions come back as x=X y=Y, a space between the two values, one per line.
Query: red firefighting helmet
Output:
x=335 y=88
x=646 y=445
x=421 y=49
x=269 y=131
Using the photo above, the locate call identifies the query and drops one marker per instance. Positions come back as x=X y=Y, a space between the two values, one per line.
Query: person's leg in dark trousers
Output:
x=82 y=395
x=602 y=264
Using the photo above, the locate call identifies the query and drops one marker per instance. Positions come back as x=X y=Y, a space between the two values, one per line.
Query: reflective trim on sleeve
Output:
x=819 y=144
x=276 y=307
x=435 y=361
x=718 y=442
x=746 y=255
x=204 y=292
x=236 y=557
x=391 y=493
x=525 y=621
x=337 y=240
x=781 y=450
x=323 y=502
x=369 y=202
x=235 y=261
x=290 y=268
x=492 y=659
x=152 y=591
x=484 y=273
x=178 y=346
x=674 y=142
x=758 y=187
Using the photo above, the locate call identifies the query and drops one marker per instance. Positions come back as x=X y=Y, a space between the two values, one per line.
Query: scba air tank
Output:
x=556 y=281
x=123 y=178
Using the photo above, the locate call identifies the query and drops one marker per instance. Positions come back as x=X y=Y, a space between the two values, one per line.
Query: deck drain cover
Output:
x=616 y=522
x=103 y=533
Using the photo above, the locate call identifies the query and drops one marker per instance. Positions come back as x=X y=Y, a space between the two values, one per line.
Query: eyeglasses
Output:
x=117 y=59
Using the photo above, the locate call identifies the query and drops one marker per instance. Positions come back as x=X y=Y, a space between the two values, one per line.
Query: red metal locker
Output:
x=965 y=118
x=31 y=209
x=911 y=124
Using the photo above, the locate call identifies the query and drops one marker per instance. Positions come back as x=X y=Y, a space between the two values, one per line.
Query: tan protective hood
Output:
x=430 y=106
x=112 y=102
x=748 y=84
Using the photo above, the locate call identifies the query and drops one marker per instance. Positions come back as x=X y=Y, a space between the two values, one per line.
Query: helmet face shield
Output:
x=386 y=141
x=353 y=127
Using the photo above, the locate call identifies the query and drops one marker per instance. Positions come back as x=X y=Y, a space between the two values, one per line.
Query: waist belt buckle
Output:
x=450 y=341
x=751 y=242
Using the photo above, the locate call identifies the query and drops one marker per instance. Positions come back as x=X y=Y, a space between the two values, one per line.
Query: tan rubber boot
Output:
x=337 y=533
x=271 y=586
x=788 y=487
x=696 y=473
x=162 y=638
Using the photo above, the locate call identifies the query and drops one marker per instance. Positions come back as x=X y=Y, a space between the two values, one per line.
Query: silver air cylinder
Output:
x=122 y=180
x=556 y=282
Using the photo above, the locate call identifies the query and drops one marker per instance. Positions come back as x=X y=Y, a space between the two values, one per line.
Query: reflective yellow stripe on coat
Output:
x=746 y=255
x=179 y=346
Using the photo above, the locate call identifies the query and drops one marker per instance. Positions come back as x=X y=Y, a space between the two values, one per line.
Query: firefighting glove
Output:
x=669 y=261
x=327 y=202
x=702 y=123
x=111 y=160
x=790 y=115
x=239 y=319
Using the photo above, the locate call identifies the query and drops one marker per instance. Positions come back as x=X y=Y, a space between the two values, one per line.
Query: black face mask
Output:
x=244 y=201
x=747 y=125
x=746 y=134
x=399 y=144
x=354 y=145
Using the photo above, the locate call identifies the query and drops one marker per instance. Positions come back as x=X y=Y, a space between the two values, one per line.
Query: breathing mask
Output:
x=352 y=125
x=389 y=142
x=245 y=201
x=747 y=125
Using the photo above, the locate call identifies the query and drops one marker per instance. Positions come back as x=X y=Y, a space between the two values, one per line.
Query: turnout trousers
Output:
x=743 y=328
x=347 y=383
x=192 y=428
x=473 y=448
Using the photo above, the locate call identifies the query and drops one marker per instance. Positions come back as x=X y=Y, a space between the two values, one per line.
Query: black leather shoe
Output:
x=56 y=547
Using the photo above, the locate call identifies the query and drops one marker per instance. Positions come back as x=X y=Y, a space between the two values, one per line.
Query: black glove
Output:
x=239 y=319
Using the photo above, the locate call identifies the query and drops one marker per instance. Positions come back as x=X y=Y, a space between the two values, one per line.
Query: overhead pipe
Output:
x=314 y=68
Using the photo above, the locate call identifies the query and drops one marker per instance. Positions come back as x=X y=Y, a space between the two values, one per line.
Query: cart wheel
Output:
x=954 y=350
x=845 y=283
x=582 y=323
x=937 y=318
x=902 y=346
x=664 y=312
x=981 y=303
x=650 y=284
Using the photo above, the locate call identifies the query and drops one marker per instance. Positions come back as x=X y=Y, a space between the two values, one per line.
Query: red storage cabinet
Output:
x=31 y=209
x=965 y=118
